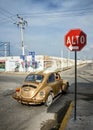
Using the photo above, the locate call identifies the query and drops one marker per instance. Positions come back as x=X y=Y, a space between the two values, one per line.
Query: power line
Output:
x=8 y=19
x=63 y=13
x=6 y=15
x=5 y=11
x=76 y=12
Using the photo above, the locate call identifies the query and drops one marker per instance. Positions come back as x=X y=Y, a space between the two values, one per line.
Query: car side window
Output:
x=51 y=78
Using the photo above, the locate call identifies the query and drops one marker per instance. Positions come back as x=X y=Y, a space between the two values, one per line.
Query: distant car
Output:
x=41 y=87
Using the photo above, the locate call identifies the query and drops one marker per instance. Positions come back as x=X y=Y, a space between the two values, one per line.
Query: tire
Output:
x=68 y=85
x=60 y=91
x=64 y=92
x=49 y=100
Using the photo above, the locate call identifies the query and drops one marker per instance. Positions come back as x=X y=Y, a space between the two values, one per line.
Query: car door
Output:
x=53 y=83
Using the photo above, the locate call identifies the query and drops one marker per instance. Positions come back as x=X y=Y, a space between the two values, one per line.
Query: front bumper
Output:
x=27 y=100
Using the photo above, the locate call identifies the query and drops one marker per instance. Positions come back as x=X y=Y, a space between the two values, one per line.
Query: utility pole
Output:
x=21 y=23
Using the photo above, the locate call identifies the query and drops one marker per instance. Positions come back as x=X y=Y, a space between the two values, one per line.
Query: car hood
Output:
x=30 y=90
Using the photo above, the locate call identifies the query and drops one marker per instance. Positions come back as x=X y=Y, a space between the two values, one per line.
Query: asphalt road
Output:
x=15 y=116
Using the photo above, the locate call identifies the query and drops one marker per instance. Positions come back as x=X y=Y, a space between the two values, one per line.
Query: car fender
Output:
x=64 y=85
x=47 y=90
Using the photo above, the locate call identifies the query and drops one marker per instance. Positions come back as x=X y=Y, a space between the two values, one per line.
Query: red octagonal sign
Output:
x=75 y=40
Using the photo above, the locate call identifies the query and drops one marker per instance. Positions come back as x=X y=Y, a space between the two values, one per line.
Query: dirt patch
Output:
x=50 y=125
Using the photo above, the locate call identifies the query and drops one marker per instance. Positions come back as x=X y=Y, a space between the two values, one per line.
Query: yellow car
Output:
x=41 y=87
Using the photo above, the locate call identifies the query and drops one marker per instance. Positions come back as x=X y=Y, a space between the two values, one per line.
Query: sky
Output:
x=48 y=21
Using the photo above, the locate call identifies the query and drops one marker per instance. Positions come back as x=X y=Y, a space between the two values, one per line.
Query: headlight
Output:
x=42 y=93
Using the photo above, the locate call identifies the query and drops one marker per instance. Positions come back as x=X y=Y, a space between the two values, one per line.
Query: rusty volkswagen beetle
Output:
x=41 y=87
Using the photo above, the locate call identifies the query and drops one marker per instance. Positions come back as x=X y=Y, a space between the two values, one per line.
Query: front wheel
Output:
x=65 y=88
x=49 y=100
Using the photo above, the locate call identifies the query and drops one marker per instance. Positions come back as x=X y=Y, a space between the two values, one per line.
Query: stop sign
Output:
x=75 y=39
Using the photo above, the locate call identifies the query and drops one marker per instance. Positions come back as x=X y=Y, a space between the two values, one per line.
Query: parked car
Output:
x=41 y=87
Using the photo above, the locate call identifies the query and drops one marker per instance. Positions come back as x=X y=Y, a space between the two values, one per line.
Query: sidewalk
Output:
x=84 y=117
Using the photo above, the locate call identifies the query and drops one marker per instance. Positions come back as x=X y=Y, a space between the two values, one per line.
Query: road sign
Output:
x=33 y=55
x=75 y=39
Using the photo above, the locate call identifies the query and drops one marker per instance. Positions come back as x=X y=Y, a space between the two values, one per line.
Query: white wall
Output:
x=57 y=62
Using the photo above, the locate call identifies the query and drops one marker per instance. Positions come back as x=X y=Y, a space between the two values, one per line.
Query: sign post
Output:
x=75 y=91
x=75 y=40
x=33 y=55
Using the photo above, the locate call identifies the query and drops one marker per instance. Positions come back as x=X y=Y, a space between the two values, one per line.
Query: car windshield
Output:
x=34 y=78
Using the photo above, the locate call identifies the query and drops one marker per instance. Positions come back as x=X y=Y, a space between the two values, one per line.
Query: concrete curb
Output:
x=54 y=123
x=66 y=117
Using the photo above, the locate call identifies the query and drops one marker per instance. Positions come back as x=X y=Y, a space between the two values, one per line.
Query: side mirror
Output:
x=57 y=77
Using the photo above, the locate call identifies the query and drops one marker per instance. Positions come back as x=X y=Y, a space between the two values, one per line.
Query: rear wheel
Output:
x=49 y=100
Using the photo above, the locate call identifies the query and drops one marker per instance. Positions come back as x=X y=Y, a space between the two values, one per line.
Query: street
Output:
x=15 y=116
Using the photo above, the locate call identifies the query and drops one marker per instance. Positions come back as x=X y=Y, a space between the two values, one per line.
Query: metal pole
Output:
x=75 y=99
x=5 y=45
x=62 y=59
x=68 y=57
x=22 y=38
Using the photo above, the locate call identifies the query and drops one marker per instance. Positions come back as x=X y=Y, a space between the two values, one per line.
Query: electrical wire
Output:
x=8 y=19
x=6 y=16
x=5 y=11
x=66 y=13
x=76 y=12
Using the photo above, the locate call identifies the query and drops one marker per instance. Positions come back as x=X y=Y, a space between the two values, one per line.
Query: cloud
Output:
x=48 y=22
